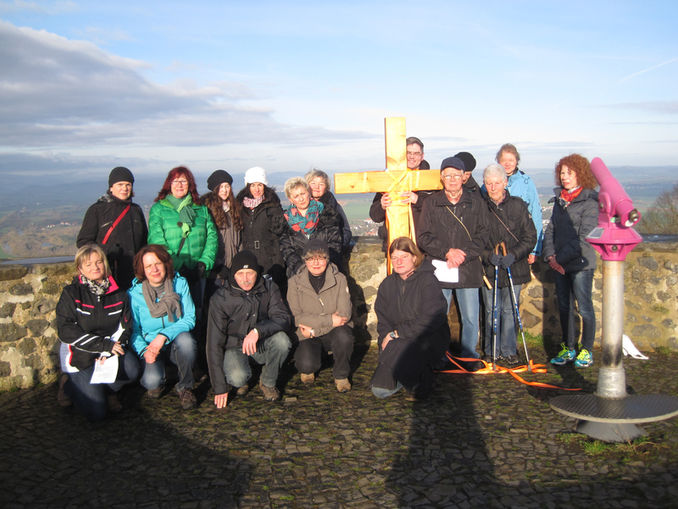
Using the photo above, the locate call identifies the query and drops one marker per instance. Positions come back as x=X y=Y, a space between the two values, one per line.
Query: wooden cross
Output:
x=395 y=180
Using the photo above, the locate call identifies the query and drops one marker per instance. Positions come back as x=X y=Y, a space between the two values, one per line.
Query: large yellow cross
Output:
x=395 y=180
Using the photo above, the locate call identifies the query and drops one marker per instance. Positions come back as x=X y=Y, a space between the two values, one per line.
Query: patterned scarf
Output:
x=305 y=224
x=94 y=287
x=252 y=203
x=568 y=196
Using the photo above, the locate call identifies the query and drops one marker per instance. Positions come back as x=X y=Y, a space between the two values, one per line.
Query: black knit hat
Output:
x=317 y=246
x=468 y=160
x=452 y=162
x=245 y=260
x=120 y=174
x=217 y=178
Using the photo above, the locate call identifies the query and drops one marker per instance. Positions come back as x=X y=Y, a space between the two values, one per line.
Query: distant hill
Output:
x=40 y=216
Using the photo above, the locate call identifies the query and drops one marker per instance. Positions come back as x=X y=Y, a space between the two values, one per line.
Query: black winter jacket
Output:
x=262 y=228
x=440 y=231
x=233 y=313
x=125 y=240
x=292 y=243
x=84 y=320
x=510 y=222
x=416 y=308
x=378 y=214
x=565 y=235
x=329 y=200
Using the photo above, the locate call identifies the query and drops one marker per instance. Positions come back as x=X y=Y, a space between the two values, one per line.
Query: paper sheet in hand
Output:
x=105 y=373
x=445 y=274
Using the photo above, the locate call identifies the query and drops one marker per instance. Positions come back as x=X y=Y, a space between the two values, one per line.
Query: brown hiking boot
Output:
x=187 y=399
x=242 y=391
x=270 y=393
x=343 y=385
x=307 y=378
x=155 y=393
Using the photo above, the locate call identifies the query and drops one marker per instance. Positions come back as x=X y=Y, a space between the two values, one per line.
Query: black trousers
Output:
x=308 y=356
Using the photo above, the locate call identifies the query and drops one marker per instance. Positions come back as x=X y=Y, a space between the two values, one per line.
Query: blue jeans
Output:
x=506 y=321
x=469 y=308
x=181 y=353
x=381 y=392
x=91 y=399
x=271 y=352
x=570 y=287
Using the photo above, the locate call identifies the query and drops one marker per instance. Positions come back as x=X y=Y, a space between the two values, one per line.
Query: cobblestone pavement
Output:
x=479 y=441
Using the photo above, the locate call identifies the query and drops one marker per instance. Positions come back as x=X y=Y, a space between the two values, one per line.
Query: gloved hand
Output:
x=495 y=259
x=201 y=268
x=224 y=273
x=507 y=260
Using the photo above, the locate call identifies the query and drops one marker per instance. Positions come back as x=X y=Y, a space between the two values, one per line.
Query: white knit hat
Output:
x=256 y=174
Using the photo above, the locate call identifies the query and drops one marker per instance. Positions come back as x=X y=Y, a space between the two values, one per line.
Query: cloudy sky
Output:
x=88 y=85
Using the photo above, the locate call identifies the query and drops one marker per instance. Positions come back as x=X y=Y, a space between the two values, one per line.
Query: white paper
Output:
x=106 y=371
x=444 y=273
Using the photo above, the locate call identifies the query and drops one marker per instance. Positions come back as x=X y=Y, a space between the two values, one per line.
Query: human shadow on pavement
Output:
x=59 y=459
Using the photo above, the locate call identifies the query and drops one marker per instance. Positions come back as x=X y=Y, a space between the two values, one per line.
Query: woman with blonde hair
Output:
x=307 y=219
x=94 y=323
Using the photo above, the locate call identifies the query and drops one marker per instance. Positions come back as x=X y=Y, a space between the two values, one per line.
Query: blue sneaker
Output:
x=566 y=355
x=584 y=359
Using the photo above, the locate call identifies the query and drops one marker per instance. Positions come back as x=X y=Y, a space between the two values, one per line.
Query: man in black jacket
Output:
x=247 y=318
x=382 y=201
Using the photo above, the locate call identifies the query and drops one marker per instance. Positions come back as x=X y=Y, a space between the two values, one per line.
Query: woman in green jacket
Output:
x=180 y=223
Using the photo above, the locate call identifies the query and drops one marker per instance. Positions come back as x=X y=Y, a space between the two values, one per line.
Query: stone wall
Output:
x=28 y=297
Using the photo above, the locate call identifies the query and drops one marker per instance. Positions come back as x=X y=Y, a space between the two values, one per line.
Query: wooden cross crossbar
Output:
x=396 y=179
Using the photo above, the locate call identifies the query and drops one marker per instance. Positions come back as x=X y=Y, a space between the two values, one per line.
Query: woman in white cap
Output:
x=117 y=225
x=263 y=224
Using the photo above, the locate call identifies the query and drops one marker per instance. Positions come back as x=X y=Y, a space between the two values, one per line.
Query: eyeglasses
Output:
x=414 y=153
x=315 y=258
x=180 y=182
x=452 y=177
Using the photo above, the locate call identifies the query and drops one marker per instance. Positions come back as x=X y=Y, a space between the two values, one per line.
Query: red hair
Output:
x=581 y=167
x=161 y=253
x=179 y=171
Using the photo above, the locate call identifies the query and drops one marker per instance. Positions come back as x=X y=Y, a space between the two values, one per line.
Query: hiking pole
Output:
x=495 y=314
x=516 y=311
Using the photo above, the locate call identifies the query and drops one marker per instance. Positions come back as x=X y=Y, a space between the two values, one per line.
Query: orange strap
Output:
x=487 y=370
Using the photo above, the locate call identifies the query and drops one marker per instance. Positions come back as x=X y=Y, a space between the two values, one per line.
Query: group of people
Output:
x=222 y=280
x=216 y=280
x=476 y=243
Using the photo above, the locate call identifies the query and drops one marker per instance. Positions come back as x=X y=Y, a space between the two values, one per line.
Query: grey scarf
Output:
x=162 y=300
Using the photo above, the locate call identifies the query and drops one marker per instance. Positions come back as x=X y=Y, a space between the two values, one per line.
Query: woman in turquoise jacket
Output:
x=178 y=222
x=163 y=316
x=521 y=185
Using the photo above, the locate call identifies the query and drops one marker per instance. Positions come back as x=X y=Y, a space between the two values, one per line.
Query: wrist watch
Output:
x=392 y=334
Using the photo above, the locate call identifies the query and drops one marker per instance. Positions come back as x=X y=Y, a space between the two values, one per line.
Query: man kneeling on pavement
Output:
x=247 y=318
x=321 y=304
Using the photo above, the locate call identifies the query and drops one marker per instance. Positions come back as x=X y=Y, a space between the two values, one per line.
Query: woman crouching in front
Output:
x=164 y=315
x=94 y=324
x=412 y=324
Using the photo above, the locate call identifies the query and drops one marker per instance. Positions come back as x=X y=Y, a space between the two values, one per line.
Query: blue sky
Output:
x=86 y=86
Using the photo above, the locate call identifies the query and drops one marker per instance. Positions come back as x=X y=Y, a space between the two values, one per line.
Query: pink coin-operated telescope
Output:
x=614 y=237
x=611 y=414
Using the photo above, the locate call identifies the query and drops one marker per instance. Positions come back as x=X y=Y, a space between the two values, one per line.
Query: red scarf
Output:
x=568 y=196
